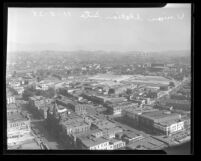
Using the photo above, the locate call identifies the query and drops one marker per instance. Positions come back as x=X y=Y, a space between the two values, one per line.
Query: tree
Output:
x=111 y=91
x=172 y=84
x=129 y=91
x=39 y=92
x=27 y=93
x=14 y=74
x=50 y=92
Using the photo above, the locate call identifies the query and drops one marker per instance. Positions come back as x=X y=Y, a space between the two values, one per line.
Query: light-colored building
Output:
x=18 y=129
x=115 y=144
x=170 y=127
x=19 y=90
x=93 y=143
x=10 y=99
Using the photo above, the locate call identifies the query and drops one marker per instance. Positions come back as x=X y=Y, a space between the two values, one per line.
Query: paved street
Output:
x=37 y=124
x=51 y=142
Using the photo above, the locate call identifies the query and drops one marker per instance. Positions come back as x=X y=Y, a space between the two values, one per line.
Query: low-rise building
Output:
x=19 y=90
x=79 y=108
x=115 y=144
x=162 y=121
x=103 y=124
x=10 y=97
x=116 y=109
x=18 y=129
x=134 y=113
x=93 y=143
x=73 y=127
x=40 y=104
x=12 y=108
x=111 y=132
x=130 y=137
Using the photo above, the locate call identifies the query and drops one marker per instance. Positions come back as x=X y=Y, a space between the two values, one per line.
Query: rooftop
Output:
x=36 y=98
x=170 y=122
x=160 y=114
x=74 y=124
x=16 y=117
x=102 y=124
x=11 y=106
x=113 y=140
x=130 y=134
x=140 y=110
x=92 y=141
x=114 y=130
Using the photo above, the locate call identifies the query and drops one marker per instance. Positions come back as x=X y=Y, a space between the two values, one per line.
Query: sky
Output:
x=109 y=29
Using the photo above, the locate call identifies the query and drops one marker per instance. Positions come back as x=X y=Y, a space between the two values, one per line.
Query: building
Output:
x=74 y=126
x=179 y=104
x=133 y=114
x=162 y=121
x=111 y=132
x=12 y=108
x=147 y=143
x=33 y=101
x=10 y=98
x=19 y=90
x=97 y=133
x=45 y=85
x=15 y=83
x=170 y=127
x=118 y=89
x=91 y=119
x=96 y=140
x=102 y=124
x=130 y=137
x=116 y=109
x=18 y=129
x=40 y=105
x=93 y=98
x=79 y=108
x=115 y=144
x=93 y=143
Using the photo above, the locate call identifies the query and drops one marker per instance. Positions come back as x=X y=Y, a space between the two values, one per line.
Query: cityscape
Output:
x=98 y=99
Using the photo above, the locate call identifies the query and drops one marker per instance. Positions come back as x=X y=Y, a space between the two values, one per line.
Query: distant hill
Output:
x=104 y=57
x=58 y=48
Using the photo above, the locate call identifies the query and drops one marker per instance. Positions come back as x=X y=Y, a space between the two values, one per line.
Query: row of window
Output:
x=17 y=124
x=101 y=146
x=15 y=136
x=79 y=129
x=119 y=145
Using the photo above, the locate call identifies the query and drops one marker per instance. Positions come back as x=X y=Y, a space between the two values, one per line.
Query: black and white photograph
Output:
x=99 y=78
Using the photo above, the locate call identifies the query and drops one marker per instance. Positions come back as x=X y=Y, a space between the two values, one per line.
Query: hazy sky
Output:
x=110 y=29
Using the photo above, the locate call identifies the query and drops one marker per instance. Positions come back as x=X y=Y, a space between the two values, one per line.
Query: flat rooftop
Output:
x=139 y=110
x=113 y=140
x=114 y=130
x=110 y=77
x=75 y=124
x=130 y=134
x=16 y=117
x=146 y=143
x=36 y=98
x=159 y=114
x=90 y=141
x=102 y=124
x=12 y=106
x=170 y=122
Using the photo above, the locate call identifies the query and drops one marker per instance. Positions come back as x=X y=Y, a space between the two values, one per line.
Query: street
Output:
x=41 y=133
